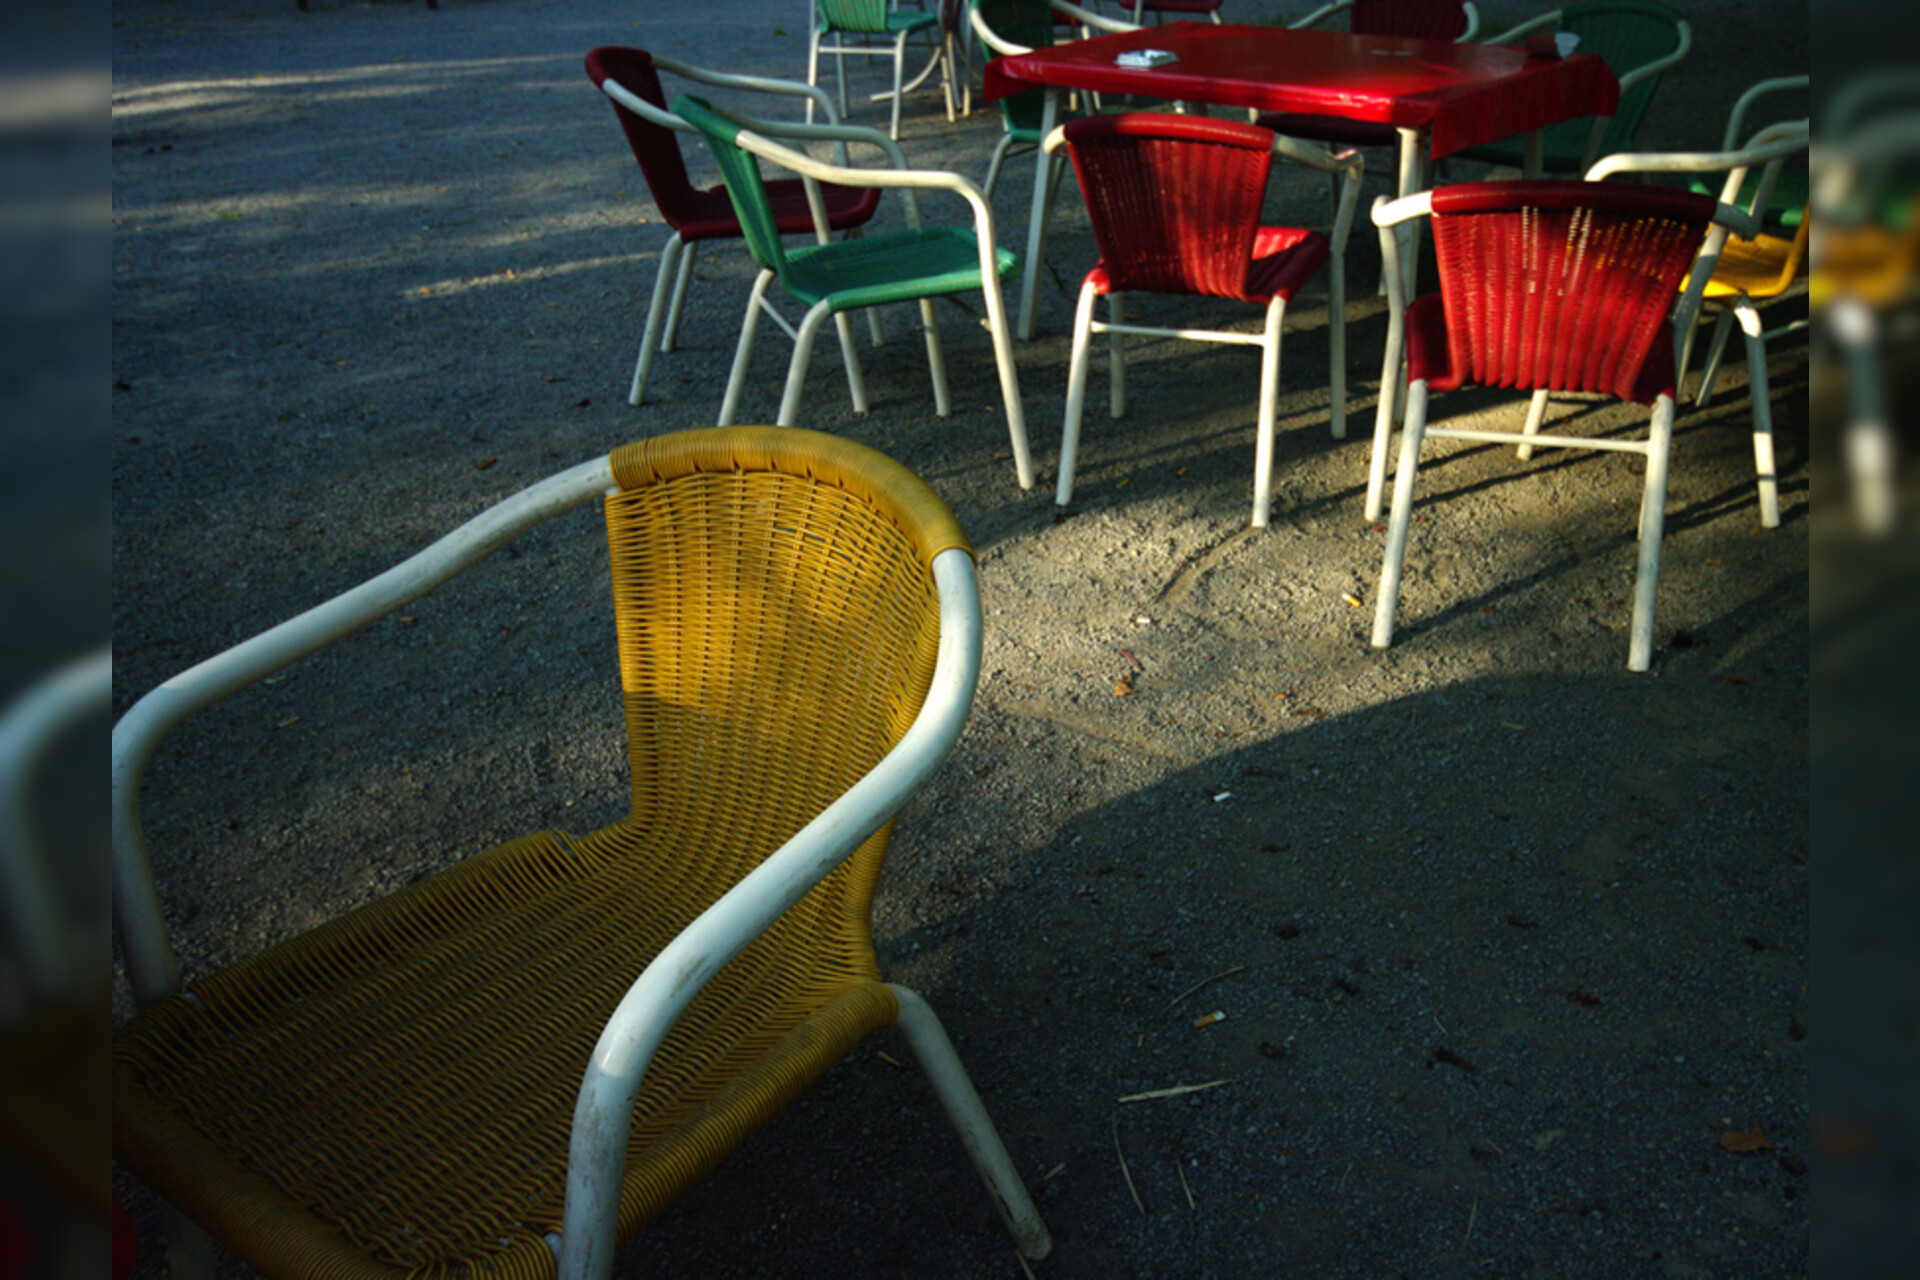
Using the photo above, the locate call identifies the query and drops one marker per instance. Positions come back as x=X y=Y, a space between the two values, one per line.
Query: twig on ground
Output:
x=1124 y=1172
x=1176 y=1091
x=1224 y=973
x=1471 y=1215
x=1180 y=1169
x=1343 y=1176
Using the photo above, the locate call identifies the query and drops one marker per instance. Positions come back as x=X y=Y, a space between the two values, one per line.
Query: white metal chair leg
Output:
x=977 y=1134
x=1037 y=220
x=1002 y=332
x=1383 y=415
x=682 y=279
x=813 y=70
x=797 y=367
x=1536 y=414
x=993 y=165
x=899 y=73
x=1076 y=395
x=650 y=337
x=1269 y=397
x=1337 y=347
x=1116 y=357
x=743 y=354
x=1395 y=557
x=1653 y=514
x=1763 y=467
x=1716 y=351
x=936 y=359
x=856 y=378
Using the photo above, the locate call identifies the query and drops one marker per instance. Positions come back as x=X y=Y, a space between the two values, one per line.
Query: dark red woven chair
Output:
x=1175 y=204
x=1544 y=286
x=630 y=78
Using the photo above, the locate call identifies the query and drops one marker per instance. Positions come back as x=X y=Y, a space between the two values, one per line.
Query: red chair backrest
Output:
x=1174 y=200
x=656 y=148
x=1414 y=19
x=1566 y=286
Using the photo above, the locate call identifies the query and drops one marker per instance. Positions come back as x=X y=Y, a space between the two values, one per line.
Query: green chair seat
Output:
x=897 y=266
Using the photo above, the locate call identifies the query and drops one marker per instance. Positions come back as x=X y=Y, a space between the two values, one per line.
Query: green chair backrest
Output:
x=1027 y=22
x=853 y=15
x=1626 y=34
x=741 y=172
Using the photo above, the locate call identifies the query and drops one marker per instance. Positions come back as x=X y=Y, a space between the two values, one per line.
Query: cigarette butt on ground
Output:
x=1208 y=1019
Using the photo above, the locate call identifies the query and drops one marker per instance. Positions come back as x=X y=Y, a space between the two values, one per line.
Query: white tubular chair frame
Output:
x=641 y=1021
x=1085 y=19
x=1656 y=448
x=1348 y=167
x=910 y=180
x=840 y=51
x=1683 y=45
x=676 y=264
x=56 y=961
x=1770 y=149
x=1326 y=11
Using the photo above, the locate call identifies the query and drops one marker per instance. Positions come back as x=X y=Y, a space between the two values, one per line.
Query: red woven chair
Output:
x=1544 y=286
x=1175 y=204
x=630 y=78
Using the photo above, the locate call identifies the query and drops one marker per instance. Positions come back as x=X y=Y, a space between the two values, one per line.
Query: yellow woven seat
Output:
x=394 y=1093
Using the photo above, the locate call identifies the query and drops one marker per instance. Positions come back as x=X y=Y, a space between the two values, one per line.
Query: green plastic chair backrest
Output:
x=1626 y=34
x=1027 y=22
x=853 y=15
x=741 y=172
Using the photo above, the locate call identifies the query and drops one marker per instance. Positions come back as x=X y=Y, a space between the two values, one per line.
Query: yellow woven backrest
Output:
x=778 y=627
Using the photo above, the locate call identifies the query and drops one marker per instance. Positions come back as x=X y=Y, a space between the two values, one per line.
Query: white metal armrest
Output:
x=1088 y=18
x=1781 y=84
x=639 y=1024
x=907 y=179
x=755 y=84
x=1681 y=49
x=30 y=728
x=1551 y=18
x=151 y=965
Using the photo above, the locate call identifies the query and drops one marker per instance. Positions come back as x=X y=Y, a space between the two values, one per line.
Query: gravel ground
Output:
x=1506 y=938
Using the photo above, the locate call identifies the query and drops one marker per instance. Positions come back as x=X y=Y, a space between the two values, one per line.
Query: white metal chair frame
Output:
x=1769 y=148
x=1088 y=21
x=1346 y=167
x=909 y=180
x=1683 y=45
x=639 y=1024
x=840 y=50
x=1656 y=448
x=676 y=265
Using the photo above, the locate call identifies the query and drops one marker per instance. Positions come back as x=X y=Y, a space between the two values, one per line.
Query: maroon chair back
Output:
x=1413 y=19
x=656 y=148
x=1174 y=200
x=1566 y=286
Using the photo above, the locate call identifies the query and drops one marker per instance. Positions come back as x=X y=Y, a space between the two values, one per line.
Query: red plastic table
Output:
x=1441 y=97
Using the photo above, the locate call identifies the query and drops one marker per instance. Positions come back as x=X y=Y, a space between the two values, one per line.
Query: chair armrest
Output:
x=838 y=133
x=633 y=1034
x=1324 y=12
x=150 y=961
x=1682 y=47
x=1346 y=163
x=1781 y=84
x=1473 y=23
x=991 y=38
x=30 y=727
x=1772 y=145
x=907 y=179
x=753 y=84
x=1088 y=18
x=1551 y=18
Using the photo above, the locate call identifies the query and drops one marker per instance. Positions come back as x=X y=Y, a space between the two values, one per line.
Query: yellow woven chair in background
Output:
x=510 y=1067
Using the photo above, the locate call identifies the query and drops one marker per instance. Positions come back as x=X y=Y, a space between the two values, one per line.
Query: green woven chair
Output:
x=506 y=1069
x=918 y=263
x=853 y=25
x=1638 y=40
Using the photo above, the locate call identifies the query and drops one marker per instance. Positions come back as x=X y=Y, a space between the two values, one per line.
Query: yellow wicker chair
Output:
x=508 y=1068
